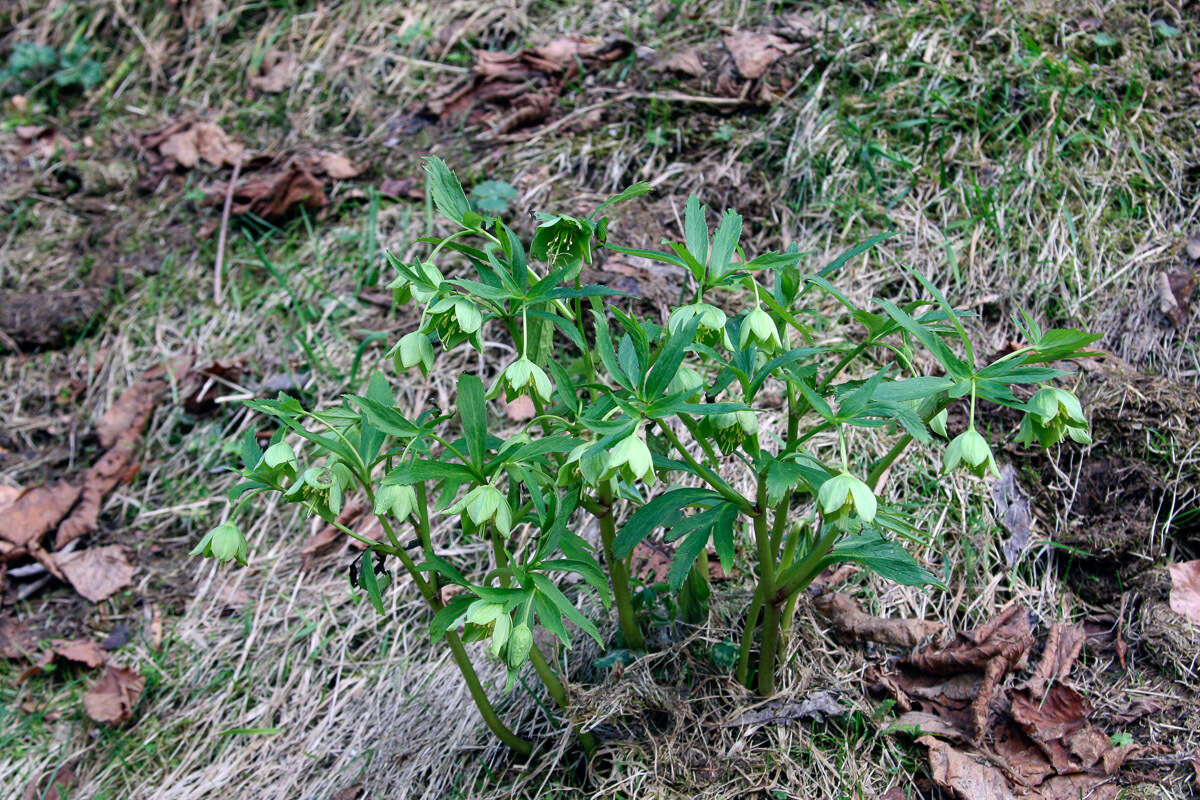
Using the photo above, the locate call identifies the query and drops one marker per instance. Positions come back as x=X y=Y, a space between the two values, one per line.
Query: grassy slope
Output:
x=1024 y=166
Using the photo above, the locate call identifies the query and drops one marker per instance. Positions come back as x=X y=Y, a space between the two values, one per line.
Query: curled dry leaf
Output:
x=335 y=165
x=36 y=511
x=275 y=74
x=816 y=706
x=81 y=651
x=112 y=698
x=753 y=52
x=1014 y=513
x=1064 y=643
x=1185 y=590
x=1175 y=296
x=128 y=415
x=98 y=572
x=683 y=62
x=189 y=144
x=851 y=623
x=16 y=641
x=277 y=196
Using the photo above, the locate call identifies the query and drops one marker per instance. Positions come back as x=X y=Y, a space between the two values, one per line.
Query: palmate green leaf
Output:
x=590 y=571
x=631 y=365
x=1062 y=343
x=604 y=348
x=653 y=255
x=683 y=525
x=722 y=536
x=885 y=557
x=790 y=357
x=685 y=555
x=447 y=192
x=637 y=332
x=932 y=342
x=251 y=453
x=668 y=359
x=909 y=389
x=815 y=400
x=546 y=587
x=776 y=261
x=695 y=230
x=329 y=444
x=659 y=511
x=550 y=618
x=782 y=477
x=435 y=563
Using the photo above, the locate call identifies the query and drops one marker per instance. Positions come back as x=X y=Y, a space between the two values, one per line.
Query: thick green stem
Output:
x=768 y=650
x=766 y=581
x=490 y=718
x=711 y=478
x=743 y=667
x=618 y=570
x=800 y=575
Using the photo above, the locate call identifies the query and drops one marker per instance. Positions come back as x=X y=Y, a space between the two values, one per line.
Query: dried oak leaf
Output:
x=1064 y=643
x=328 y=537
x=98 y=572
x=201 y=141
x=129 y=414
x=36 y=511
x=55 y=784
x=335 y=165
x=1175 y=296
x=112 y=698
x=277 y=196
x=753 y=52
x=1185 y=590
x=116 y=465
x=81 y=651
x=1058 y=725
x=275 y=74
x=683 y=62
x=964 y=776
x=851 y=623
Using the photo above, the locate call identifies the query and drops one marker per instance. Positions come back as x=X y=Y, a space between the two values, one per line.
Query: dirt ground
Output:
x=195 y=202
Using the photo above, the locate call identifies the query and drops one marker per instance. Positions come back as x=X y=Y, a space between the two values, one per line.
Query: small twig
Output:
x=237 y=168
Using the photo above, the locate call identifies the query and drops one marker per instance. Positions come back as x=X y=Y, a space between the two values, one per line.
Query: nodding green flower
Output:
x=844 y=493
x=630 y=459
x=687 y=382
x=405 y=290
x=520 y=643
x=971 y=450
x=730 y=429
x=399 y=501
x=224 y=543
x=759 y=329
x=712 y=323
x=280 y=458
x=455 y=319
x=321 y=486
x=523 y=376
x=579 y=463
x=1050 y=416
x=413 y=350
x=485 y=504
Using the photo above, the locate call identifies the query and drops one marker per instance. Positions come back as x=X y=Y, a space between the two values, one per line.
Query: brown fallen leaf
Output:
x=81 y=651
x=1014 y=513
x=351 y=792
x=684 y=62
x=55 y=784
x=189 y=144
x=403 y=188
x=964 y=776
x=1185 y=590
x=335 y=165
x=1064 y=643
x=753 y=52
x=650 y=562
x=115 y=466
x=1058 y=725
x=9 y=495
x=851 y=623
x=36 y=511
x=112 y=698
x=126 y=417
x=275 y=74
x=16 y=641
x=97 y=572
x=277 y=196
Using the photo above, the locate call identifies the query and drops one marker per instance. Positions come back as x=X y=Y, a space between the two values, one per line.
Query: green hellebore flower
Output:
x=407 y=290
x=687 y=382
x=413 y=350
x=630 y=459
x=520 y=643
x=712 y=323
x=399 y=501
x=759 y=329
x=523 y=376
x=224 y=543
x=485 y=504
x=844 y=493
x=730 y=429
x=1052 y=415
x=483 y=612
x=280 y=459
x=970 y=449
x=579 y=464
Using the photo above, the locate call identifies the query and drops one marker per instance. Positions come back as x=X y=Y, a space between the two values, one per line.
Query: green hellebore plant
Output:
x=759 y=329
x=413 y=350
x=630 y=460
x=225 y=543
x=971 y=450
x=1051 y=415
x=843 y=494
x=525 y=377
x=485 y=504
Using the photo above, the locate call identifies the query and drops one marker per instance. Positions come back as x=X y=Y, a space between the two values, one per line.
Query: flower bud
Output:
x=631 y=460
x=399 y=501
x=844 y=493
x=970 y=449
x=485 y=504
x=523 y=376
x=413 y=350
x=520 y=643
x=759 y=329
